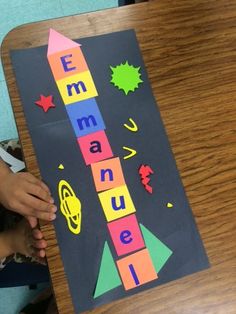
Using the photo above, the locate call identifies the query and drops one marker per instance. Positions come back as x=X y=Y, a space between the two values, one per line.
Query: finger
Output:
x=37 y=234
x=34 y=180
x=32 y=221
x=37 y=190
x=29 y=211
x=41 y=253
x=40 y=244
x=37 y=204
x=45 y=187
x=47 y=216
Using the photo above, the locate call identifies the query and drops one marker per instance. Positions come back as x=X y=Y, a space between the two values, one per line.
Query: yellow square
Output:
x=116 y=203
x=77 y=87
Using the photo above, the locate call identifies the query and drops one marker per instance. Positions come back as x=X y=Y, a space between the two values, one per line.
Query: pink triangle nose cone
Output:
x=57 y=42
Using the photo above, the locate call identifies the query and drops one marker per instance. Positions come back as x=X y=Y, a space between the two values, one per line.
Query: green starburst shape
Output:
x=126 y=77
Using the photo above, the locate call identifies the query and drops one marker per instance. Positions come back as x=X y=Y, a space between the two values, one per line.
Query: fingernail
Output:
x=51 y=200
x=54 y=209
x=53 y=217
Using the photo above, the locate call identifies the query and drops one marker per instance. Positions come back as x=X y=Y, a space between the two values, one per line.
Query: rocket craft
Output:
x=140 y=255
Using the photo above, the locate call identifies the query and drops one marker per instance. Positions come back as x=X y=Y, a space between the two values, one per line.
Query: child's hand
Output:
x=28 y=196
x=27 y=241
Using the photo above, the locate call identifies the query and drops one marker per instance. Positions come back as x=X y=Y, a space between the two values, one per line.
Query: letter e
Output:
x=125 y=237
x=65 y=63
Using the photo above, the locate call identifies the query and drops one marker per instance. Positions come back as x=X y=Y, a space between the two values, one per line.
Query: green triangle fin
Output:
x=159 y=252
x=108 y=277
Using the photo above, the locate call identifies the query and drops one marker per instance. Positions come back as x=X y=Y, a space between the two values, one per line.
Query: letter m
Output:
x=86 y=122
x=77 y=87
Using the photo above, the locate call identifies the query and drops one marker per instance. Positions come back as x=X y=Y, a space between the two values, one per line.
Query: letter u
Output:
x=114 y=203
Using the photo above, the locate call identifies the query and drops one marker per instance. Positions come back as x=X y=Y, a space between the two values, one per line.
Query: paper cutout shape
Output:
x=133 y=127
x=136 y=269
x=57 y=42
x=95 y=147
x=126 y=77
x=159 y=252
x=145 y=171
x=45 y=102
x=107 y=174
x=77 y=87
x=108 y=277
x=61 y=167
x=85 y=117
x=116 y=203
x=126 y=235
x=169 y=205
x=67 y=62
x=131 y=154
x=70 y=206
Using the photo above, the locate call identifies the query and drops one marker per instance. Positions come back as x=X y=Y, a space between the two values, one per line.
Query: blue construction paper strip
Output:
x=85 y=117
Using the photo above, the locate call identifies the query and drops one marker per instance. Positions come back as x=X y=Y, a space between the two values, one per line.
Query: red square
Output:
x=95 y=147
x=126 y=235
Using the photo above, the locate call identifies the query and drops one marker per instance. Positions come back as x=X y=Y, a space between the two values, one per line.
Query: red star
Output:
x=45 y=102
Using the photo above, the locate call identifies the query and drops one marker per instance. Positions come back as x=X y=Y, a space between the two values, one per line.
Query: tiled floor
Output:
x=16 y=12
x=13 y=13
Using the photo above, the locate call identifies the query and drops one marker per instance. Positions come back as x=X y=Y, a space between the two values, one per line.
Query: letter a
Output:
x=96 y=147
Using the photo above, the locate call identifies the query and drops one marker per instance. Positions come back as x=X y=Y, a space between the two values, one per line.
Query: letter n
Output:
x=103 y=174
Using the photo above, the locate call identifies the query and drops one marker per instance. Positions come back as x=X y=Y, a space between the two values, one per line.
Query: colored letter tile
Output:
x=85 y=117
x=67 y=62
x=116 y=203
x=95 y=147
x=107 y=174
x=136 y=269
x=126 y=235
x=77 y=87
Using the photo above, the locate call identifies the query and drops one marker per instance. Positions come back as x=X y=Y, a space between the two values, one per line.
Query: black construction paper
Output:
x=55 y=142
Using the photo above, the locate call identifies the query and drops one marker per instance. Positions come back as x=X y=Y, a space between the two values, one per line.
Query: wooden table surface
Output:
x=189 y=47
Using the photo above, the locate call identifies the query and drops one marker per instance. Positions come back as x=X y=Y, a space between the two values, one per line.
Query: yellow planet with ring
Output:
x=70 y=206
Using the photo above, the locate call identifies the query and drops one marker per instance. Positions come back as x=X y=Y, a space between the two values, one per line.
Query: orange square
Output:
x=136 y=269
x=107 y=174
x=67 y=63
